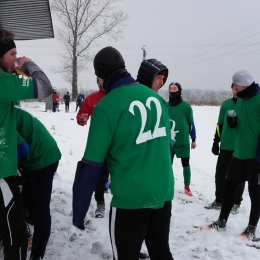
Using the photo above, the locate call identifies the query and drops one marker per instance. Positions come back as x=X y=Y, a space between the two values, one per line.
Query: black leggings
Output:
x=184 y=161
x=231 y=189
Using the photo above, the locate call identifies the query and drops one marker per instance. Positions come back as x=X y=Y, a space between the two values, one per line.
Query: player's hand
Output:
x=215 y=148
x=193 y=145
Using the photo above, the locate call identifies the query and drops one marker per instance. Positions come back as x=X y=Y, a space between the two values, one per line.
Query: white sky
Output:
x=186 y=242
x=202 y=42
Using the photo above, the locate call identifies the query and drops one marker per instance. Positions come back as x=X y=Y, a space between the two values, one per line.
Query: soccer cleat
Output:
x=188 y=191
x=99 y=212
x=218 y=225
x=249 y=233
x=235 y=209
x=143 y=256
x=214 y=205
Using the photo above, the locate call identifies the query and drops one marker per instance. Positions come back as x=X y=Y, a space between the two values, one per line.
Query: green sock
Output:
x=186 y=175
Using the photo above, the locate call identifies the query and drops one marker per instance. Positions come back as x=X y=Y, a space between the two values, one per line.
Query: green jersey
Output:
x=43 y=148
x=130 y=129
x=227 y=136
x=11 y=88
x=248 y=128
x=181 y=117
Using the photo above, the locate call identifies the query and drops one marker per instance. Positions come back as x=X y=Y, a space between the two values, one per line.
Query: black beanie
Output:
x=107 y=61
x=6 y=46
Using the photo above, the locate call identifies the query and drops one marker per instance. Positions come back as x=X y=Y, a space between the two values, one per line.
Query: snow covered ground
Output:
x=186 y=241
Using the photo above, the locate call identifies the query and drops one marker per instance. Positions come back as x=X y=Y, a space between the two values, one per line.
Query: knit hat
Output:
x=177 y=84
x=107 y=61
x=149 y=69
x=6 y=46
x=243 y=78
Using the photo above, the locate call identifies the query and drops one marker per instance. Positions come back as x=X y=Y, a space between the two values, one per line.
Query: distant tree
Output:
x=82 y=23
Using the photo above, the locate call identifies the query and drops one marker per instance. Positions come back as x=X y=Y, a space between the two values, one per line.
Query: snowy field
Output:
x=186 y=241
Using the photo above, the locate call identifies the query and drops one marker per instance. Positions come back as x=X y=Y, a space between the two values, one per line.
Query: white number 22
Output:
x=158 y=131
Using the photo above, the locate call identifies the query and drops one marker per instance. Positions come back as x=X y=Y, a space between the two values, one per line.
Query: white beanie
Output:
x=243 y=78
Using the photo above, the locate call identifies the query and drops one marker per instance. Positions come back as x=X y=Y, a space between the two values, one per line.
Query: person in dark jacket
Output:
x=66 y=99
x=79 y=101
x=245 y=161
x=226 y=137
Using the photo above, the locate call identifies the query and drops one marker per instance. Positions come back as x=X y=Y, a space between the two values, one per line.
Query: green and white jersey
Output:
x=43 y=148
x=248 y=128
x=11 y=88
x=181 y=116
x=227 y=136
x=130 y=128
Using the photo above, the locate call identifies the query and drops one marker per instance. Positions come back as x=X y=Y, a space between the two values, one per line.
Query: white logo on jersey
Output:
x=25 y=82
x=158 y=131
x=173 y=133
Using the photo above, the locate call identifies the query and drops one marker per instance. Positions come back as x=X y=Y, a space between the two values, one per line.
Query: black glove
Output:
x=215 y=148
x=232 y=121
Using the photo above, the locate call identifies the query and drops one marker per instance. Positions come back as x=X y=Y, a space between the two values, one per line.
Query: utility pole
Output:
x=144 y=52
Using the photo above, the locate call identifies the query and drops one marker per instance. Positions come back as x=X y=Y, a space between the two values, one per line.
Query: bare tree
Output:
x=83 y=22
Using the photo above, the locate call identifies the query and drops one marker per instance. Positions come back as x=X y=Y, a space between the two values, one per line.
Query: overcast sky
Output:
x=202 y=42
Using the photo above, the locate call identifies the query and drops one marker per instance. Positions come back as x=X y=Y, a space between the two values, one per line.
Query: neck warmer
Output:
x=249 y=92
x=175 y=98
x=116 y=79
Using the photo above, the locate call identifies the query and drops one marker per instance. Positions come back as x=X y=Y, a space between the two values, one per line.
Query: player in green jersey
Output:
x=38 y=169
x=226 y=137
x=12 y=226
x=130 y=129
x=181 y=117
x=245 y=162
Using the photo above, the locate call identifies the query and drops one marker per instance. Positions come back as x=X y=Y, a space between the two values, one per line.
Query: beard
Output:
x=3 y=65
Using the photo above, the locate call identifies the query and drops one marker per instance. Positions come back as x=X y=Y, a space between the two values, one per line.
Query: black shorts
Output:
x=241 y=170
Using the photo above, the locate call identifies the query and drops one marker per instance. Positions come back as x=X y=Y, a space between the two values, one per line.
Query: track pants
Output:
x=128 y=229
x=12 y=225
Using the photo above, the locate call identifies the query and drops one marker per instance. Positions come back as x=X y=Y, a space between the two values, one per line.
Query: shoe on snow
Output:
x=99 y=212
x=249 y=233
x=188 y=191
x=218 y=225
x=235 y=209
x=143 y=256
x=214 y=205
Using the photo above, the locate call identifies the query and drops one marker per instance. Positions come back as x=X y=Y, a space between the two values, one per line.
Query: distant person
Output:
x=55 y=100
x=12 y=225
x=142 y=192
x=226 y=136
x=66 y=99
x=87 y=108
x=79 y=101
x=181 y=117
x=245 y=162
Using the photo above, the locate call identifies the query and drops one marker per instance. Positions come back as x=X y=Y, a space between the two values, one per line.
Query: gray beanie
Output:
x=243 y=78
